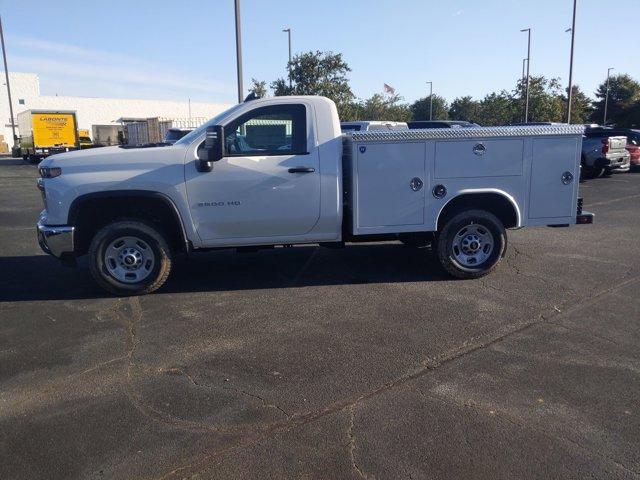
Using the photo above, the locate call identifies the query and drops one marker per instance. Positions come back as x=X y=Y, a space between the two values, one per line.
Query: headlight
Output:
x=50 y=172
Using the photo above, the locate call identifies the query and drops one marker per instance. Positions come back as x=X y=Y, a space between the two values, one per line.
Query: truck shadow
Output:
x=40 y=277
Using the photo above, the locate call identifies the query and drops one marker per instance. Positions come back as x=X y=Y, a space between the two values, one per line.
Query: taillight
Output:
x=605 y=146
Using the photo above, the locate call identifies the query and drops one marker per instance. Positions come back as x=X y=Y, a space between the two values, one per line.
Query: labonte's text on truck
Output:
x=278 y=171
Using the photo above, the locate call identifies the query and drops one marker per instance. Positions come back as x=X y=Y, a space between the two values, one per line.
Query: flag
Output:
x=389 y=89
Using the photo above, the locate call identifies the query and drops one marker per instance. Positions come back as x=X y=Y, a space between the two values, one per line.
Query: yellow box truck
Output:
x=45 y=132
x=84 y=139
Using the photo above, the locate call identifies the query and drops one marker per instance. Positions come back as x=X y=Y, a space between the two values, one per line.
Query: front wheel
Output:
x=129 y=258
x=471 y=244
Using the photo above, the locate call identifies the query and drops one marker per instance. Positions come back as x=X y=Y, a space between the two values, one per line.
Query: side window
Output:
x=273 y=130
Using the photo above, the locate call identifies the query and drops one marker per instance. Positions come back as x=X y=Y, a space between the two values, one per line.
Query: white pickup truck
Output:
x=278 y=171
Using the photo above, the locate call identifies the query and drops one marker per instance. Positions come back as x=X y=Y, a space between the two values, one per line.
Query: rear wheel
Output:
x=471 y=244
x=130 y=258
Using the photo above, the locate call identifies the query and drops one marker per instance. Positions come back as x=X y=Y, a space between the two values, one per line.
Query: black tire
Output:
x=445 y=243
x=150 y=236
x=593 y=172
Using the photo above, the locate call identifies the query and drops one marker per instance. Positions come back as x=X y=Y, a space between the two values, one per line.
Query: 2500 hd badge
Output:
x=234 y=203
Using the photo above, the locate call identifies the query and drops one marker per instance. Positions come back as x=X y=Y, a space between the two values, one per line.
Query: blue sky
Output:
x=186 y=49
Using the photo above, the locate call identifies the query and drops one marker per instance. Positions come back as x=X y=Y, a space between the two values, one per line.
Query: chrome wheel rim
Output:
x=472 y=245
x=129 y=259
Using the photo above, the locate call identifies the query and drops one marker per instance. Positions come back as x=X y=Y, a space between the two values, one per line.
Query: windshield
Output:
x=191 y=136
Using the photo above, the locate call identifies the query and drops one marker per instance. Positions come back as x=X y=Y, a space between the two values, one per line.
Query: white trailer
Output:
x=279 y=171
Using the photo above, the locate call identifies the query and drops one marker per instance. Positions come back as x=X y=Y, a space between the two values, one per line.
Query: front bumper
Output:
x=56 y=240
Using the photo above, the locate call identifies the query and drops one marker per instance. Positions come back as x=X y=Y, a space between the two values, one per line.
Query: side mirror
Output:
x=213 y=150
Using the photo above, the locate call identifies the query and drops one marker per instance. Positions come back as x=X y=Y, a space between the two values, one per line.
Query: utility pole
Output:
x=6 y=74
x=526 y=105
x=288 y=30
x=430 y=100
x=573 y=37
x=606 y=97
x=239 y=53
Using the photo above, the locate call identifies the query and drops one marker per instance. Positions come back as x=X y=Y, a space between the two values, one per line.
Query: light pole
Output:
x=524 y=61
x=606 y=97
x=6 y=74
x=288 y=30
x=526 y=105
x=573 y=37
x=239 y=53
x=430 y=100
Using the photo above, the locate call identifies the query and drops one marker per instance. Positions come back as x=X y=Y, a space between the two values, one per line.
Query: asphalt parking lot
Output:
x=310 y=363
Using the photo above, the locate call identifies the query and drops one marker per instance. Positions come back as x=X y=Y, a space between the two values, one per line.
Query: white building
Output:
x=25 y=95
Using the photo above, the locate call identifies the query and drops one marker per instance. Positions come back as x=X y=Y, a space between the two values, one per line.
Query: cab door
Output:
x=267 y=184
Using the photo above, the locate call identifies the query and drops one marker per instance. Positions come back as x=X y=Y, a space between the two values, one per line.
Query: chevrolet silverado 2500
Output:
x=278 y=171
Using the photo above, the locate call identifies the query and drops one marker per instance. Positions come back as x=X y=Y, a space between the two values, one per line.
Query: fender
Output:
x=78 y=201
x=471 y=191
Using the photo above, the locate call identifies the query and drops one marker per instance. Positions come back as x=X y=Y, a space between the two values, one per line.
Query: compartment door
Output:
x=549 y=196
x=500 y=157
x=385 y=194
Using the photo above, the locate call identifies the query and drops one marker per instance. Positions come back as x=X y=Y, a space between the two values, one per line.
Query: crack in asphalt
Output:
x=352 y=443
x=130 y=321
x=263 y=401
x=512 y=263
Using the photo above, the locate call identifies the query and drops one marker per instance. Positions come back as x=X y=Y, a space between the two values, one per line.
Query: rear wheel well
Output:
x=492 y=202
x=91 y=214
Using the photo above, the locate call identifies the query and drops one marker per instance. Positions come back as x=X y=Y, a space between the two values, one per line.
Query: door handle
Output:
x=302 y=170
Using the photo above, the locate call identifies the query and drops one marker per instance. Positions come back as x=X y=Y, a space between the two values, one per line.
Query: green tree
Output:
x=581 y=105
x=259 y=88
x=318 y=73
x=382 y=107
x=624 y=93
x=464 y=108
x=546 y=100
x=420 y=108
x=630 y=116
x=497 y=109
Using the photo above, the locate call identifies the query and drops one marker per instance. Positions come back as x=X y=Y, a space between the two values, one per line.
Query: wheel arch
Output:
x=496 y=201
x=140 y=204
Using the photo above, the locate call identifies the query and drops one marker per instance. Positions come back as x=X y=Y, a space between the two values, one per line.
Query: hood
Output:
x=112 y=158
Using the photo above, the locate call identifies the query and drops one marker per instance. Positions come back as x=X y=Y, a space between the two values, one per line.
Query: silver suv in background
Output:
x=604 y=152
x=368 y=125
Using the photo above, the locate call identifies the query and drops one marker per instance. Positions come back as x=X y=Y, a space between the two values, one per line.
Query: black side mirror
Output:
x=213 y=150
